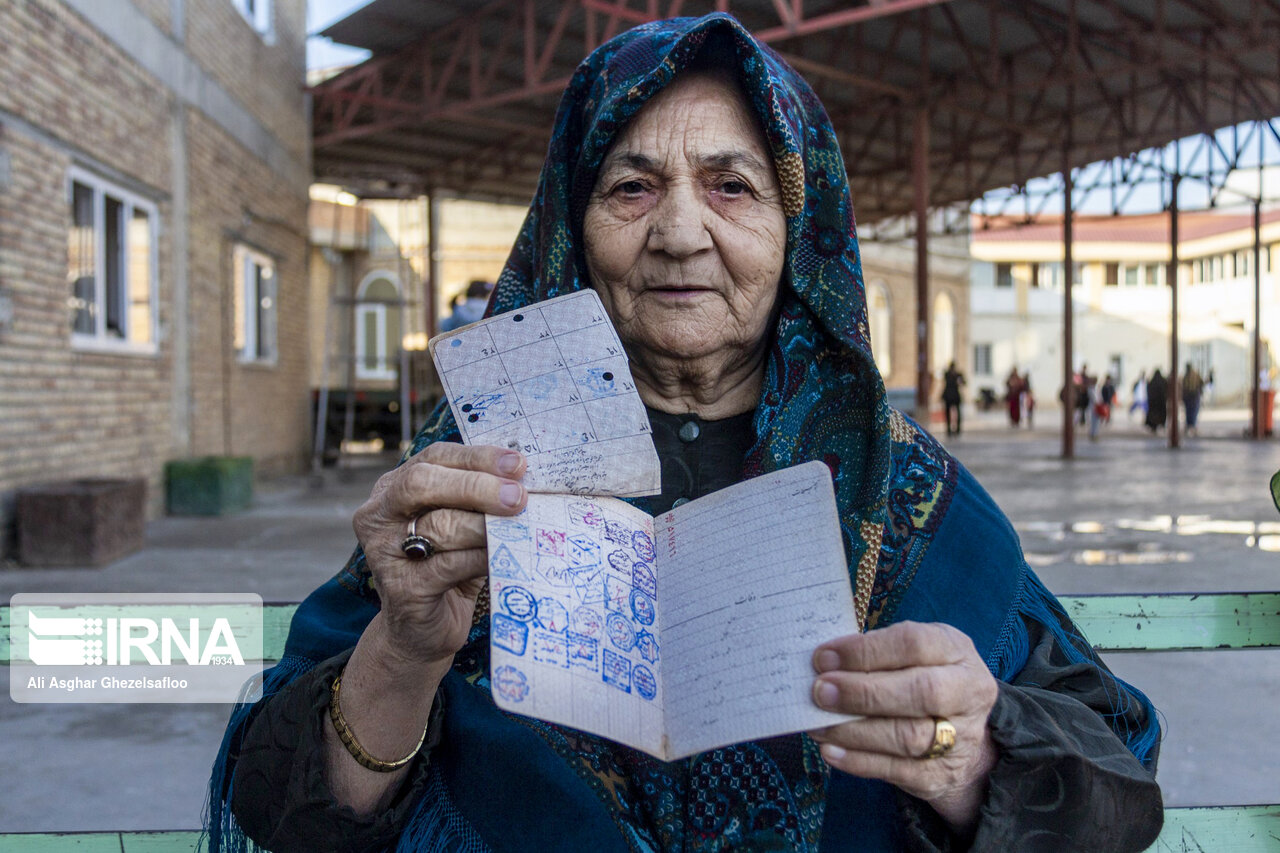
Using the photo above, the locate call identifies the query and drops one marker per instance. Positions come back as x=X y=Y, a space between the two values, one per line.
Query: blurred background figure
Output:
x=951 y=382
x=1157 y=400
x=1192 y=387
x=1139 y=395
x=1013 y=396
x=470 y=308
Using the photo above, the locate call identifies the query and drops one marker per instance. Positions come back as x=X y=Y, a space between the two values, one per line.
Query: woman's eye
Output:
x=630 y=188
x=732 y=188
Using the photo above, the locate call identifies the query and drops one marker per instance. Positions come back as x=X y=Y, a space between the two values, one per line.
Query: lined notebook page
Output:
x=753 y=580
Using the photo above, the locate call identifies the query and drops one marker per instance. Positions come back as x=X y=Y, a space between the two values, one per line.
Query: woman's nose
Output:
x=676 y=225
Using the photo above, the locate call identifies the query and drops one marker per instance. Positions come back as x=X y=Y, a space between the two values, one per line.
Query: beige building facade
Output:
x=1122 y=304
x=154 y=164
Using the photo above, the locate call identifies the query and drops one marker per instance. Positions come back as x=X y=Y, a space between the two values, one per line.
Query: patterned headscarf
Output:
x=823 y=397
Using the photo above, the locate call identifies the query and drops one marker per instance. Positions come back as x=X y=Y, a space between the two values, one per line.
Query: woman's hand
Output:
x=427 y=604
x=900 y=679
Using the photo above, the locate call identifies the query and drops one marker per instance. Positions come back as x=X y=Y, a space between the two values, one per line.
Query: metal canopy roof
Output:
x=461 y=99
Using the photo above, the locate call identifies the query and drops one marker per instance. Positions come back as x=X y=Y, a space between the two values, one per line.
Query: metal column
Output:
x=1068 y=310
x=1255 y=383
x=1174 y=396
x=920 y=181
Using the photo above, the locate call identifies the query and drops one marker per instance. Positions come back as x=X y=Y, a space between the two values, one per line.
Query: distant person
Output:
x=1157 y=400
x=1083 y=383
x=951 y=382
x=1013 y=397
x=1108 y=397
x=470 y=309
x=1028 y=399
x=1139 y=395
x=1192 y=388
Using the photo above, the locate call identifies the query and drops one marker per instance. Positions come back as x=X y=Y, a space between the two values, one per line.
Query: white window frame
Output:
x=261 y=17
x=982 y=362
x=249 y=299
x=379 y=311
x=99 y=339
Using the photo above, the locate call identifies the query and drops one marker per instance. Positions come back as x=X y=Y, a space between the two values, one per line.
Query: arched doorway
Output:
x=378 y=326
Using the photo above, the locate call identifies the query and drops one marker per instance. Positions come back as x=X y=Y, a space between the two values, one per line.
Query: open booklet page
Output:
x=574 y=609
x=672 y=636
x=552 y=381
x=754 y=578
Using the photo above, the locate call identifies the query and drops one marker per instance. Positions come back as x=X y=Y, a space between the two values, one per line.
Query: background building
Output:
x=154 y=164
x=1122 y=301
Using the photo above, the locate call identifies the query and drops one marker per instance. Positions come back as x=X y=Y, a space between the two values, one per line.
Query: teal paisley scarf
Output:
x=923 y=540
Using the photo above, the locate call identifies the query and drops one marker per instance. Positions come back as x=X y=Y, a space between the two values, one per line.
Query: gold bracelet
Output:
x=353 y=746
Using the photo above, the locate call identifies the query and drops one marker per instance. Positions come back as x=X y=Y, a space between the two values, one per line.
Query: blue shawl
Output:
x=924 y=541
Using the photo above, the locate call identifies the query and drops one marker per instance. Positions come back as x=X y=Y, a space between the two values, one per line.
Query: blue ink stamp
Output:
x=456 y=342
x=616 y=533
x=620 y=562
x=551 y=649
x=617 y=595
x=554 y=571
x=585 y=514
x=647 y=646
x=599 y=381
x=508 y=530
x=617 y=671
x=509 y=634
x=643 y=545
x=584 y=652
x=642 y=607
x=646 y=684
x=619 y=632
x=587 y=586
x=552 y=615
x=583 y=551
x=587 y=622
x=642 y=576
x=520 y=603
x=503 y=564
x=510 y=683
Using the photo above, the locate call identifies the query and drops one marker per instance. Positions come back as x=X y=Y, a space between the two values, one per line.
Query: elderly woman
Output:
x=695 y=183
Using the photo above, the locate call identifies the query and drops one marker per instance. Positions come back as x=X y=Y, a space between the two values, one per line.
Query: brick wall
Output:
x=244 y=408
x=71 y=96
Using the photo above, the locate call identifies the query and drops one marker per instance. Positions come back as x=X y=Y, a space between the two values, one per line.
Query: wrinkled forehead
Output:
x=702 y=109
x=645 y=61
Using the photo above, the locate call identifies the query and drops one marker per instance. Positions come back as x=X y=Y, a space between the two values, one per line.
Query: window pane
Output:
x=113 y=265
x=243 y=266
x=370 y=354
x=266 y=311
x=140 y=320
x=1113 y=275
x=1151 y=271
x=80 y=260
x=1004 y=275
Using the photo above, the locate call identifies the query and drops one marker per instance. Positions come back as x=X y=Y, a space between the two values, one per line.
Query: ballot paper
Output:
x=552 y=381
x=672 y=635
x=676 y=634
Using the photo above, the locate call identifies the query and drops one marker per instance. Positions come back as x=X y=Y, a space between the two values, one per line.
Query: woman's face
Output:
x=684 y=231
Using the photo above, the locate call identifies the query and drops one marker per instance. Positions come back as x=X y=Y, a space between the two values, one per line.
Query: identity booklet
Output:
x=672 y=635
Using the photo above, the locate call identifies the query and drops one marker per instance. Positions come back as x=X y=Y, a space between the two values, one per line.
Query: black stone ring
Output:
x=416 y=547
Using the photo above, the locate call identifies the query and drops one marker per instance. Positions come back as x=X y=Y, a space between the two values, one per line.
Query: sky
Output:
x=322 y=53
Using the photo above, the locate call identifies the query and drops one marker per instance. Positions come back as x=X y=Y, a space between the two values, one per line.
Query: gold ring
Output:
x=944 y=737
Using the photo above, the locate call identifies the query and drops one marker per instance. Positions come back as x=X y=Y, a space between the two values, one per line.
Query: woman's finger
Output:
x=451 y=529
x=899 y=646
x=478 y=457
x=925 y=691
x=906 y=737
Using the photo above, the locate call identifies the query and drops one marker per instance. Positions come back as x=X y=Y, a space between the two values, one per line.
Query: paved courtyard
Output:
x=1127 y=515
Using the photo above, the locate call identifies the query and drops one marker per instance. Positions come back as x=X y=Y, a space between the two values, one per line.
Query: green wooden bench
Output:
x=1129 y=623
